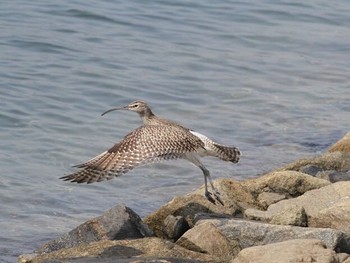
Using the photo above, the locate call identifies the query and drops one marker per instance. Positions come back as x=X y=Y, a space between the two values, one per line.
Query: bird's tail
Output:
x=226 y=153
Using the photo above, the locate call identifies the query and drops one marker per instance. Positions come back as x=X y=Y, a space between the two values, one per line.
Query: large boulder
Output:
x=291 y=251
x=129 y=250
x=119 y=222
x=237 y=233
x=286 y=184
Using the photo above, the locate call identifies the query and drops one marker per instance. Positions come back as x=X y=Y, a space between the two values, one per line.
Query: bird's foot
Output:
x=210 y=198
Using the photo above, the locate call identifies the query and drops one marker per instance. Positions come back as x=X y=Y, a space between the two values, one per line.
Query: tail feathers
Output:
x=227 y=153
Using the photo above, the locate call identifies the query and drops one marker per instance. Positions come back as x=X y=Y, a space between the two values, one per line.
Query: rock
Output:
x=293 y=215
x=297 y=250
x=235 y=198
x=287 y=183
x=334 y=160
x=175 y=226
x=119 y=222
x=147 y=249
x=206 y=238
x=328 y=206
x=334 y=176
x=250 y=233
x=311 y=169
x=343 y=145
x=266 y=199
x=333 y=165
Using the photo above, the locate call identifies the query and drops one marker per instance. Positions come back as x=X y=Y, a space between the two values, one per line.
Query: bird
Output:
x=157 y=139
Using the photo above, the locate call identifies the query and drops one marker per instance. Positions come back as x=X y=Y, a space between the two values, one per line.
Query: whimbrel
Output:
x=156 y=140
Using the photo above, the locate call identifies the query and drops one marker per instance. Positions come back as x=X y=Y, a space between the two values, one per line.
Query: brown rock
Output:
x=334 y=161
x=291 y=251
x=235 y=198
x=293 y=216
x=328 y=206
x=147 y=249
x=266 y=199
x=288 y=183
x=207 y=238
x=343 y=145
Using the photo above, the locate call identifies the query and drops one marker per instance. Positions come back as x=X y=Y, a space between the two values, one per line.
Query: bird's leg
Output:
x=194 y=159
x=207 y=193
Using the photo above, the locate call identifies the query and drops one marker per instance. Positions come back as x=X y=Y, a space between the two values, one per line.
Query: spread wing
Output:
x=147 y=144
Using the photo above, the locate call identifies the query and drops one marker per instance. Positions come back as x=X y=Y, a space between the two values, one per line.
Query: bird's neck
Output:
x=147 y=116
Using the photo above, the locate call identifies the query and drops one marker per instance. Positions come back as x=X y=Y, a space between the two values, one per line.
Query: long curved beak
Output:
x=113 y=109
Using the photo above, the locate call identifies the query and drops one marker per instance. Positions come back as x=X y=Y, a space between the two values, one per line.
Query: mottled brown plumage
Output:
x=156 y=140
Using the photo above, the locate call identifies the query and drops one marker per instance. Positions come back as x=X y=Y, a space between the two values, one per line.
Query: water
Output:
x=271 y=77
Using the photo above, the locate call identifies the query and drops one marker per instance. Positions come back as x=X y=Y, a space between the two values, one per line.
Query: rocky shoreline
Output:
x=298 y=213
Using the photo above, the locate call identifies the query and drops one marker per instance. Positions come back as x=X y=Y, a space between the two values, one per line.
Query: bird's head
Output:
x=138 y=106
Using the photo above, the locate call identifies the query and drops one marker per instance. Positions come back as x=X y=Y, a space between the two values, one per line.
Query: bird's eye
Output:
x=134 y=106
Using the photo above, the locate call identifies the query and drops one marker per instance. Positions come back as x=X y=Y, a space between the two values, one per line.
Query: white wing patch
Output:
x=208 y=144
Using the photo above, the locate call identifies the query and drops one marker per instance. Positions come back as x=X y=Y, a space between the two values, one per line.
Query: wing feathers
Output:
x=147 y=144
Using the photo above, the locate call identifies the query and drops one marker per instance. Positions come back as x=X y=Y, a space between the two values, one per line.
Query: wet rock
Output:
x=297 y=250
x=119 y=222
x=206 y=238
x=145 y=249
x=175 y=226
x=328 y=206
x=250 y=233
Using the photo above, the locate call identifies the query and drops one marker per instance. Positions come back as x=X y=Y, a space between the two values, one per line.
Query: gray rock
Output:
x=311 y=169
x=119 y=222
x=250 y=233
x=175 y=226
x=291 y=251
